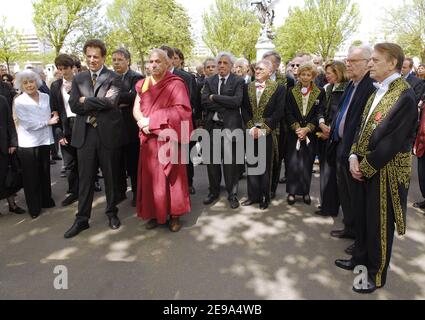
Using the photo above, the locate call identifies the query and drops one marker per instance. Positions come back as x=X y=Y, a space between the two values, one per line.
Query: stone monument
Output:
x=266 y=16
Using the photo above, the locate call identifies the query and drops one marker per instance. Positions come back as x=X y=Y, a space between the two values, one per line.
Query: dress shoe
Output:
x=210 y=198
x=234 y=203
x=419 y=205
x=371 y=287
x=321 y=213
x=114 y=223
x=69 y=200
x=76 y=228
x=350 y=249
x=307 y=199
x=343 y=234
x=152 y=224
x=264 y=204
x=52 y=162
x=34 y=215
x=192 y=190
x=291 y=199
x=272 y=195
x=16 y=209
x=63 y=175
x=56 y=158
x=282 y=181
x=97 y=187
x=174 y=224
x=248 y=203
x=345 y=264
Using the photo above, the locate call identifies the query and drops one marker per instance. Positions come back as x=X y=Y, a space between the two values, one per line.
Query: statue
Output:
x=266 y=17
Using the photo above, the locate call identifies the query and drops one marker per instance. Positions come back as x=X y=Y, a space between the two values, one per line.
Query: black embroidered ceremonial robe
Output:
x=266 y=115
x=300 y=162
x=383 y=146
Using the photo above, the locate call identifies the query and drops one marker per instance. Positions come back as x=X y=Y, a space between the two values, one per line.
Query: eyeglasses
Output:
x=355 y=60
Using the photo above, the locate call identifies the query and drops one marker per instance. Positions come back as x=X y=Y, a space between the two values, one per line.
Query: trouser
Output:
x=35 y=164
x=90 y=156
x=421 y=175
x=70 y=161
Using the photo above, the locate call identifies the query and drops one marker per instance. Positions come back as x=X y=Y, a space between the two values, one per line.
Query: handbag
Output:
x=14 y=173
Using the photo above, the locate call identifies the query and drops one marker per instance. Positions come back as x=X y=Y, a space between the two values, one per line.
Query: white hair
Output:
x=228 y=55
x=160 y=52
x=266 y=63
x=242 y=61
x=27 y=74
x=365 y=49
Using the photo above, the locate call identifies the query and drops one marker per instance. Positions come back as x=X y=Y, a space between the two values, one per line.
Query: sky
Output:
x=19 y=13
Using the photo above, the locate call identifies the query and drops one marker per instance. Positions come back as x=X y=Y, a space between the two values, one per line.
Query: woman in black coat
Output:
x=337 y=79
x=304 y=101
x=8 y=144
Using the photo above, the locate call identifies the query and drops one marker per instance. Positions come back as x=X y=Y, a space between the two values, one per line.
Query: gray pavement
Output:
x=282 y=253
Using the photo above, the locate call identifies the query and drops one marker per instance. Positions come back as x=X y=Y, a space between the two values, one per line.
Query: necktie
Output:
x=341 y=114
x=92 y=119
x=223 y=80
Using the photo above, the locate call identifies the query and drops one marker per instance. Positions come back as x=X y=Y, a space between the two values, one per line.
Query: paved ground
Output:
x=283 y=253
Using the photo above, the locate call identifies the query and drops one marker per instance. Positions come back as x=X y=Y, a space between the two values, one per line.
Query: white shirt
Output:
x=32 y=121
x=305 y=102
x=273 y=76
x=98 y=72
x=259 y=92
x=66 y=96
x=215 y=117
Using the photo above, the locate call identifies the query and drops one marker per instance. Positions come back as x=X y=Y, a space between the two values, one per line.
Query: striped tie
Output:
x=92 y=119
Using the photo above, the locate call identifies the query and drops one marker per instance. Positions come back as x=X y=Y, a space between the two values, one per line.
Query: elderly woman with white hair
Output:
x=34 y=119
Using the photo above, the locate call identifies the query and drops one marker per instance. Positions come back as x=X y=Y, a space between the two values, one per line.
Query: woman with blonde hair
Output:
x=34 y=119
x=304 y=101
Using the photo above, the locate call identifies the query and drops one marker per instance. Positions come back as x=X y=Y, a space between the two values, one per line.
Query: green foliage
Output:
x=405 y=25
x=56 y=20
x=11 y=49
x=320 y=27
x=140 y=25
x=231 y=25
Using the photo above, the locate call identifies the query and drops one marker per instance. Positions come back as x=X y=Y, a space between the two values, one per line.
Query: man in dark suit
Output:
x=344 y=128
x=416 y=83
x=190 y=82
x=121 y=61
x=97 y=135
x=222 y=99
x=59 y=101
x=7 y=91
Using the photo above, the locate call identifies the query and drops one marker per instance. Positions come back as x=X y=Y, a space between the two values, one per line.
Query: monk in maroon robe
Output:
x=162 y=105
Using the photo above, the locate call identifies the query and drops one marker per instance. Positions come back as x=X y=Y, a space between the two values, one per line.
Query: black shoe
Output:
x=272 y=195
x=152 y=224
x=34 y=215
x=343 y=234
x=264 y=204
x=291 y=199
x=282 y=181
x=307 y=199
x=63 y=175
x=56 y=158
x=234 y=203
x=69 y=200
x=345 y=264
x=350 y=249
x=321 y=213
x=371 y=287
x=17 y=209
x=76 y=228
x=210 y=198
x=50 y=204
x=192 y=190
x=114 y=222
x=419 y=205
x=52 y=162
x=97 y=187
x=248 y=203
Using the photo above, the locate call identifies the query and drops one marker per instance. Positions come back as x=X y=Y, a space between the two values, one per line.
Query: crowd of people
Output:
x=357 y=117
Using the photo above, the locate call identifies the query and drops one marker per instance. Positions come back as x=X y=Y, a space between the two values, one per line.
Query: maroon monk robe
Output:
x=162 y=189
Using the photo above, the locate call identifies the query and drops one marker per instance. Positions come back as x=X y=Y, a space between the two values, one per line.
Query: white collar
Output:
x=386 y=83
x=226 y=77
x=98 y=72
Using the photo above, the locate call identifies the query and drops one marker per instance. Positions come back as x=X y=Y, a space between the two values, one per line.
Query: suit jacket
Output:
x=352 y=122
x=417 y=85
x=227 y=105
x=8 y=135
x=126 y=103
x=101 y=102
x=190 y=81
x=62 y=129
x=7 y=91
x=44 y=88
x=271 y=107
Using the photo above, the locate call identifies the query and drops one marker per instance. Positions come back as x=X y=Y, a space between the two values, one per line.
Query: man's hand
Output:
x=12 y=150
x=302 y=133
x=63 y=142
x=355 y=169
x=256 y=133
x=82 y=99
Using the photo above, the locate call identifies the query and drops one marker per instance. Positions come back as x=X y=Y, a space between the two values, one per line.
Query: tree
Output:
x=320 y=27
x=55 y=20
x=11 y=49
x=140 y=25
x=405 y=25
x=231 y=25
